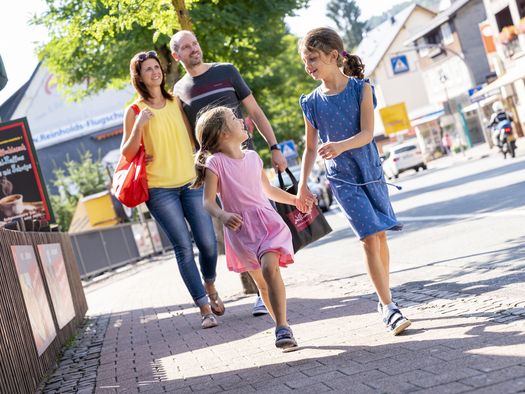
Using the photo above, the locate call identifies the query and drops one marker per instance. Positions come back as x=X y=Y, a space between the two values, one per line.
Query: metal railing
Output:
x=105 y=249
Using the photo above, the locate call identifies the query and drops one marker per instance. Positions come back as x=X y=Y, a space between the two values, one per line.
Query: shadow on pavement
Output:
x=408 y=364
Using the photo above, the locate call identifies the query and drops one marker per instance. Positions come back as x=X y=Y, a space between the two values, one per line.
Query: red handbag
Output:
x=130 y=185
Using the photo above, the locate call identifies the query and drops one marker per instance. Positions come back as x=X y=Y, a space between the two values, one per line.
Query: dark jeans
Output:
x=169 y=207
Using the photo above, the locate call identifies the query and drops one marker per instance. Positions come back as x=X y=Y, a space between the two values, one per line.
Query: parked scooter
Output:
x=504 y=137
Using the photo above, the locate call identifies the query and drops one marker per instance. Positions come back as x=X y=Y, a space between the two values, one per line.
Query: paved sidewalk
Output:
x=479 y=151
x=467 y=304
x=143 y=336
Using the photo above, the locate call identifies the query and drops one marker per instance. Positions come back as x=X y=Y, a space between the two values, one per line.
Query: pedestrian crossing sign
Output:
x=288 y=149
x=399 y=64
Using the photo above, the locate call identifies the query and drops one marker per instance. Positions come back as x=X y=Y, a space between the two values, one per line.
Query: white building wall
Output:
x=407 y=87
x=457 y=79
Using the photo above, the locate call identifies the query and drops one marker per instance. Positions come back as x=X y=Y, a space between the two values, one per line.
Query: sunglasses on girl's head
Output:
x=146 y=55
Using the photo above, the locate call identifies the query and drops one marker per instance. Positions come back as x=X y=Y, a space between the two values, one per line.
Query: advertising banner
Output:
x=34 y=296
x=22 y=191
x=56 y=278
x=395 y=118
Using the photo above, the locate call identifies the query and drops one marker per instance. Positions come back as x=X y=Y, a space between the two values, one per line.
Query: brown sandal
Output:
x=216 y=304
x=209 y=321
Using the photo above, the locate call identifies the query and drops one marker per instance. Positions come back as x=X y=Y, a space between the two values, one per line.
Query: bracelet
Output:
x=274 y=147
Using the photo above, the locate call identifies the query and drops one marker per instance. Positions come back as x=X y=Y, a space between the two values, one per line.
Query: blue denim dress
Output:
x=356 y=176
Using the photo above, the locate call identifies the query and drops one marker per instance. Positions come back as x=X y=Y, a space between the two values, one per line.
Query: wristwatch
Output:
x=274 y=147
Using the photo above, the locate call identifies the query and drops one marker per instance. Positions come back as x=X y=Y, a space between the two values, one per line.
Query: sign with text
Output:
x=395 y=118
x=22 y=192
x=57 y=282
x=34 y=295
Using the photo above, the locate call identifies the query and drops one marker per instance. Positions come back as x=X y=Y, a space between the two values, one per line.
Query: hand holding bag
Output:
x=130 y=185
x=305 y=227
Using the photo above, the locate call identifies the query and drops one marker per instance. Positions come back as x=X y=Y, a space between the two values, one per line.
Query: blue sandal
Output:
x=396 y=322
x=284 y=338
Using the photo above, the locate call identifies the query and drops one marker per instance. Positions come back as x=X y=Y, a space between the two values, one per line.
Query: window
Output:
x=405 y=149
x=446 y=32
x=424 y=50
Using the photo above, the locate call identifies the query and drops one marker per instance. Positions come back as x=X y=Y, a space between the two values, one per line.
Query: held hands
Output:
x=231 y=220
x=305 y=200
x=330 y=150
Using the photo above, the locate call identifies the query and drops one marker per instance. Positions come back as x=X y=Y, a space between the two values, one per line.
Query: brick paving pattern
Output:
x=461 y=340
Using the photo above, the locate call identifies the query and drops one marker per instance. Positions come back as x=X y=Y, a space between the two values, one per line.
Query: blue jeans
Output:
x=169 y=207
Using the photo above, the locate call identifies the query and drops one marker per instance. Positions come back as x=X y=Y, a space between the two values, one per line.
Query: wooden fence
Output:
x=21 y=367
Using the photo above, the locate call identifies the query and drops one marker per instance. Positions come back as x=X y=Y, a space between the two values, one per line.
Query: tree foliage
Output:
x=346 y=14
x=283 y=82
x=92 y=41
x=81 y=178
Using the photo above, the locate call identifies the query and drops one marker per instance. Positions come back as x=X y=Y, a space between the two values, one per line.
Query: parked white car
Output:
x=402 y=157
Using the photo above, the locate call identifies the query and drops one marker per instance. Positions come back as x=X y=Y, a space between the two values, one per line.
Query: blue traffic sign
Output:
x=288 y=149
x=399 y=64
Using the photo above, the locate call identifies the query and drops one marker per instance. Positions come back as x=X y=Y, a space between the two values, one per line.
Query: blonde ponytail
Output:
x=200 y=168
x=211 y=123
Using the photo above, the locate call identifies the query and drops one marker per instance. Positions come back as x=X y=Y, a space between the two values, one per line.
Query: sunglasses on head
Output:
x=146 y=55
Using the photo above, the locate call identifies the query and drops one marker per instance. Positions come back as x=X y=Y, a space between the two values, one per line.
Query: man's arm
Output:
x=265 y=128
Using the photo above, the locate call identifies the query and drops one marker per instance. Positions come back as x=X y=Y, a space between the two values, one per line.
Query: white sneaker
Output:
x=258 y=308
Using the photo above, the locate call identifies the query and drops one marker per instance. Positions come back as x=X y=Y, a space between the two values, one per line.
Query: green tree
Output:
x=346 y=14
x=282 y=83
x=81 y=178
x=91 y=42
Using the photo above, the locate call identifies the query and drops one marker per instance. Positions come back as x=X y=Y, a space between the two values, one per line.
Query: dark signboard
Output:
x=22 y=192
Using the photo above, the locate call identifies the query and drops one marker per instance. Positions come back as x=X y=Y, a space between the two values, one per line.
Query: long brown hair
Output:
x=326 y=40
x=135 y=66
x=211 y=123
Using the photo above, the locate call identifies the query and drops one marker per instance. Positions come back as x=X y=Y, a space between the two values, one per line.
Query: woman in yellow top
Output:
x=168 y=142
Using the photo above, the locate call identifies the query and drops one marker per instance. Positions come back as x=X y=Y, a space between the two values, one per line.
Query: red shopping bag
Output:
x=130 y=185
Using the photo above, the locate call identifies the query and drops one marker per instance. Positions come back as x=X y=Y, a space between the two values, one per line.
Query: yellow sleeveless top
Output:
x=166 y=139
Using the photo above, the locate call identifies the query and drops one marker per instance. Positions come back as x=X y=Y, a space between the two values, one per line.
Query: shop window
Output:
x=446 y=32
x=503 y=18
x=521 y=8
x=423 y=51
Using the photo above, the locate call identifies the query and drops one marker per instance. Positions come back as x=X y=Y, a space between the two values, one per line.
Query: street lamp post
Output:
x=443 y=79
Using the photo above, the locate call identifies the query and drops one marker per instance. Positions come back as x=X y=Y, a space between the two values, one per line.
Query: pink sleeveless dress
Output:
x=263 y=230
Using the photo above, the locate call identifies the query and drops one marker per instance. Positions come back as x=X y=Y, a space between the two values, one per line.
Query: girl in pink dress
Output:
x=256 y=238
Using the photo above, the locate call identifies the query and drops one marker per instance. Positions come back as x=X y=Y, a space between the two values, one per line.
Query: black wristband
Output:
x=274 y=147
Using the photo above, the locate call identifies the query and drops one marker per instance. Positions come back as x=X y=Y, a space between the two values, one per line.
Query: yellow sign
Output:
x=395 y=118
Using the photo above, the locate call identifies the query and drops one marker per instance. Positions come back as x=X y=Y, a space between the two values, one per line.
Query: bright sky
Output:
x=17 y=37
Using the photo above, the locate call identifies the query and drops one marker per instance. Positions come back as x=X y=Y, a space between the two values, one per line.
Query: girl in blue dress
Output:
x=340 y=113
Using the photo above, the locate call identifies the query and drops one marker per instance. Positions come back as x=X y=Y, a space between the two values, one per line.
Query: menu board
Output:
x=22 y=192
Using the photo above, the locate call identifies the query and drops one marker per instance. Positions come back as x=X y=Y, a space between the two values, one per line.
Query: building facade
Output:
x=453 y=63
x=397 y=76
x=507 y=22
x=61 y=129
